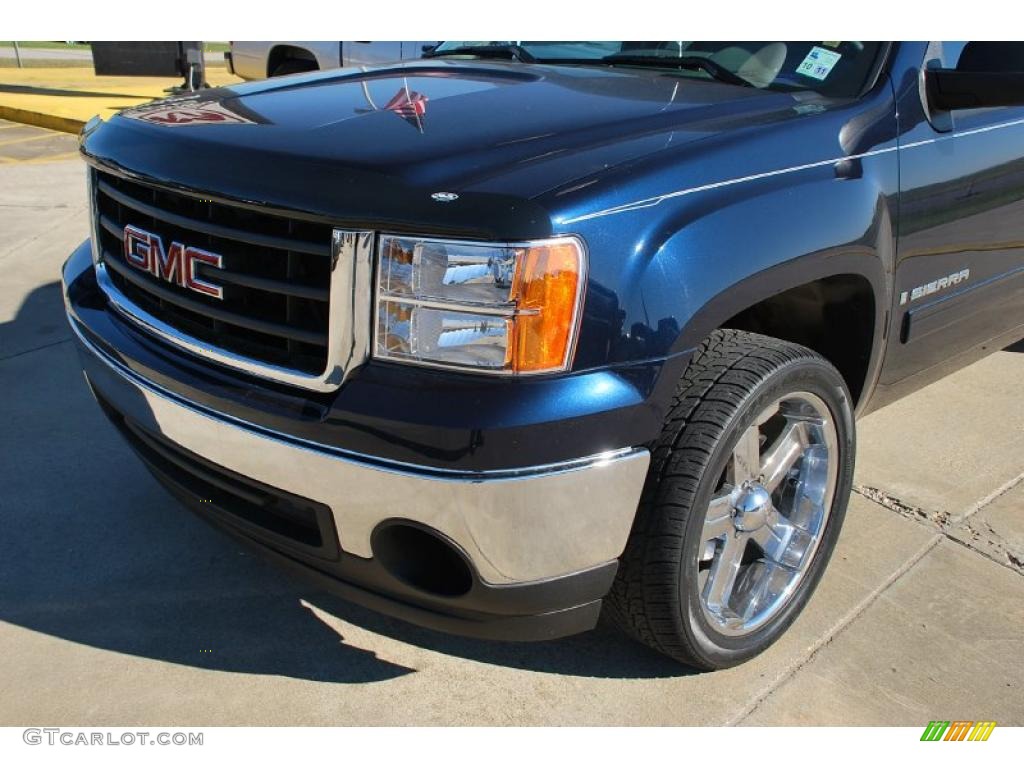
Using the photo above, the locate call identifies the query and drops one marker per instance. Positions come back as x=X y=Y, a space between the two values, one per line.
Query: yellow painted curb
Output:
x=41 y=119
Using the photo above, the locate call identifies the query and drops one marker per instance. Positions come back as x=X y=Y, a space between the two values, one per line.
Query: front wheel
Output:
x=743 y=504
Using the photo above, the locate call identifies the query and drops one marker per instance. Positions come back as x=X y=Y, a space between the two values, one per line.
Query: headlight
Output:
x=499 y=308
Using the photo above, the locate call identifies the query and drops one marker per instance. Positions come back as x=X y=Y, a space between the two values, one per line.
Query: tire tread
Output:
x=726 y=367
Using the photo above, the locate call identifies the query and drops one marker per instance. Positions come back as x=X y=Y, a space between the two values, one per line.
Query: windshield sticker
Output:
x=819 y=63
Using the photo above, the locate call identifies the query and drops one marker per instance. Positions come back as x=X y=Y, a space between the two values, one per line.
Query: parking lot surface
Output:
x=118 y=607
x=20 y=144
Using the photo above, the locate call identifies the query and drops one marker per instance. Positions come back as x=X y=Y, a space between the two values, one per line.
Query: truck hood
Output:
x=373 y=145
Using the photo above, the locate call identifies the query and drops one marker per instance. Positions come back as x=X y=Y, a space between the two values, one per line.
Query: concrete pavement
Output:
x=118 y=607
x=28 y=144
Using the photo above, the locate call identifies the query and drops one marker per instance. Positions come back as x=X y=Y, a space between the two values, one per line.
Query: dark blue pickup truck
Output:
x=497 y=338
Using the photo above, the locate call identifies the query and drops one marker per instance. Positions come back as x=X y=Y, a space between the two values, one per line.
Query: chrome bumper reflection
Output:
x=517 y=526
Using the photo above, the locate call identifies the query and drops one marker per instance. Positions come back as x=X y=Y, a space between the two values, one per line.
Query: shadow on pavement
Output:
x=601 y=653
x=93 y=551
x=39 y=322
x=1017 y=347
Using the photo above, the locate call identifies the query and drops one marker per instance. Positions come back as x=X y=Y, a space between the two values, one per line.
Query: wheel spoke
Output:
x=783 y=454
x=719 y=517
x=746 y=457
x=760 y=585
x=773 y=539
x=784 y=544
x=724 y=570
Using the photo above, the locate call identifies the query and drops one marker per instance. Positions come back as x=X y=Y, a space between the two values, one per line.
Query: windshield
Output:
x=836 y=68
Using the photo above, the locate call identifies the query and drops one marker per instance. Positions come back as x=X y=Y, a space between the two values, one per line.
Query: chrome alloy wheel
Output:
x=768 y=514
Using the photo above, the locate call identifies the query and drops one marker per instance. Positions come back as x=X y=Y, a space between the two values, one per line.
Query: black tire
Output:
x=293 y=67
x=733 y=377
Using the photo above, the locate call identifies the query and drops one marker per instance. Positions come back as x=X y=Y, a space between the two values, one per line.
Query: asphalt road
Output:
x=117 y=607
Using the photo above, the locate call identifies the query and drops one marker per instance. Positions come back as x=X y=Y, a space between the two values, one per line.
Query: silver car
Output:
x=255 y=60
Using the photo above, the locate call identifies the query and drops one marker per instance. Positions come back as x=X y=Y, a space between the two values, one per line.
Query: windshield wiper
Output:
x=713 y=68
x=510 y=51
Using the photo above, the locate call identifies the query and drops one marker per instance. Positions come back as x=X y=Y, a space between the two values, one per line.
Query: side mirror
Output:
x=952 y=89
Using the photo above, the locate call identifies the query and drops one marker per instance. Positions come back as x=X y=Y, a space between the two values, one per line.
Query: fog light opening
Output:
x=422 y=559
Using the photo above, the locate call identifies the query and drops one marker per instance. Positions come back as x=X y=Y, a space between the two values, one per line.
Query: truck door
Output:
x=959 y=279
x=365 y=53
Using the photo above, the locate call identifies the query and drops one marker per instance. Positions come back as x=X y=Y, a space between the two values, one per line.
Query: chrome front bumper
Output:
x=519 y=526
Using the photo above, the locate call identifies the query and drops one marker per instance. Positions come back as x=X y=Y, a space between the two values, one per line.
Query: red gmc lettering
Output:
x=177 y=264
x=194 y=255
x=136 y=247
x=166 y=266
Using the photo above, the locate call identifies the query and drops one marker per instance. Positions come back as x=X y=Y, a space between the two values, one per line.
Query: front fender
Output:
x=667 y=275
x=736 y=248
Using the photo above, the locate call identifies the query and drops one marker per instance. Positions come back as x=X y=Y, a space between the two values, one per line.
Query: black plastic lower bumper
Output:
x=476 y=624
x=482 y=613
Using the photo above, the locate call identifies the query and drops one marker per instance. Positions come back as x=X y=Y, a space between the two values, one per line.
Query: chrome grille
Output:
x=281 y=279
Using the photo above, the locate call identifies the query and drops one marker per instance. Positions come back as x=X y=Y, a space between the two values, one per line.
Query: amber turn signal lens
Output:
x=547 y=291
